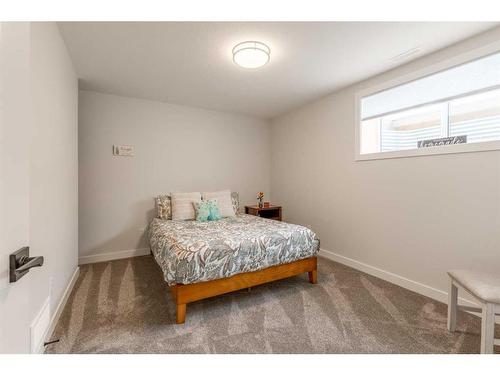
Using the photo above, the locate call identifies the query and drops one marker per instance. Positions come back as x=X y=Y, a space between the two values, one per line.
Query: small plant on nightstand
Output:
x=260 y=198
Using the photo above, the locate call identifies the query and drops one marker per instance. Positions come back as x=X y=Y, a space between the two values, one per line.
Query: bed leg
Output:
x=313 y=276
x=181 y=313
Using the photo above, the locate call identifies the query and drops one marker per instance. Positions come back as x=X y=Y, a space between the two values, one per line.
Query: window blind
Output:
x=470 y=77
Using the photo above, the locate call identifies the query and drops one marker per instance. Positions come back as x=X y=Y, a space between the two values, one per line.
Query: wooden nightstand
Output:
x=271 y=212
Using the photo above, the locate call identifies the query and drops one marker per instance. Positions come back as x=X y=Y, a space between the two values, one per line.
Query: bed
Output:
x=204 y=259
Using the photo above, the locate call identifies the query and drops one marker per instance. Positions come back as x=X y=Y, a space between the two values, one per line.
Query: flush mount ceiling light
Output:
x=251 y=54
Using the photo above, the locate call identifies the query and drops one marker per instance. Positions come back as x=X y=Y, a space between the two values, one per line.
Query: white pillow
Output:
x=182 y=205
x=223 y=200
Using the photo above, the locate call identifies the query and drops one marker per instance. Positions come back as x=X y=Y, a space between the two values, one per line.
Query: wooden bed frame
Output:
x=184 y=294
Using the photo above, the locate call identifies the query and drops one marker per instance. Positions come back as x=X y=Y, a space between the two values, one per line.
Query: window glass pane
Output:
x=477 y=116
x=370 y=136
x=403 y=130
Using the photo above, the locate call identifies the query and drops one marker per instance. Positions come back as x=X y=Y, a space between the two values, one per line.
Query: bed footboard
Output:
x=185 y=294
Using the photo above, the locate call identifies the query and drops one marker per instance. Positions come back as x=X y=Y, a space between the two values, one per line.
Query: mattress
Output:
x=189 y=251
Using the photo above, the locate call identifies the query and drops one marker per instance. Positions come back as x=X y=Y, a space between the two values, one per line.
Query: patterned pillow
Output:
x=202 y=210
x=214 y=210
x=235 y=200
x=163 y=207
x=207 y=210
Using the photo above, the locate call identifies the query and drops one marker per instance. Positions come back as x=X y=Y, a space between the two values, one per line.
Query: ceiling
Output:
x=190 y=63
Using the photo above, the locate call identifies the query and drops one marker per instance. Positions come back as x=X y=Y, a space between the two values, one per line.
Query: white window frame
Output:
x=460 y=59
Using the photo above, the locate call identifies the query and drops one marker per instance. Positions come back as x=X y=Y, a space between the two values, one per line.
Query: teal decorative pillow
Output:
x=202 y=210
x=207 y=210
x=213 y=207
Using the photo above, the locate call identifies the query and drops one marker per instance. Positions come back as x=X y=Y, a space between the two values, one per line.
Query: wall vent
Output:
x=406 y=54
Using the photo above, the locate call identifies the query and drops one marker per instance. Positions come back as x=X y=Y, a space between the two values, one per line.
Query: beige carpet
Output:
x=124 y=306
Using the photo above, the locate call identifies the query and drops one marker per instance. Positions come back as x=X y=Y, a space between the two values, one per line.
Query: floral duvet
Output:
x=191 y=251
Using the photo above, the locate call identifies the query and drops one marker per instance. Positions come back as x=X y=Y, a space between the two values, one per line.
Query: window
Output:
x=478 y=116
x=451 y=110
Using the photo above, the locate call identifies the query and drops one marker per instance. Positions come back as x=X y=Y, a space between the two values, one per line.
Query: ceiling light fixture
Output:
x=251 y=54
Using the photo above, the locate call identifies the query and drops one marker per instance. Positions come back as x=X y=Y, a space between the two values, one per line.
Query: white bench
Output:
x=485 y=288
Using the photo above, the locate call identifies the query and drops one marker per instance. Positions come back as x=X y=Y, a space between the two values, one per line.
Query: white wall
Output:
x=177 y=148
x=38 y=176
x=54 y=165
x=415 y=217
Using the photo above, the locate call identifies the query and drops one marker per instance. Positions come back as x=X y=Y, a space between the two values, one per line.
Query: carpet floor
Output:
x=124 y=306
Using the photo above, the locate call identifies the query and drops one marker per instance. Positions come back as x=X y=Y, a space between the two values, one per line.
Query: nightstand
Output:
x=271 y=212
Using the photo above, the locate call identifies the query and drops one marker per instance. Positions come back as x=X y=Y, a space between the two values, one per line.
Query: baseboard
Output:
x=113 y=256
x=414 y=286
x=39 y=328
x=59 y=309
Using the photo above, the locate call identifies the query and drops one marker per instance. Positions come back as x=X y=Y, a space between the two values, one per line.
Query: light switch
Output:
x=123 y=150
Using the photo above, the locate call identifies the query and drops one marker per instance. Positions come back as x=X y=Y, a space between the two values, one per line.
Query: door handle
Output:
x=30 y=262
x=21 y=263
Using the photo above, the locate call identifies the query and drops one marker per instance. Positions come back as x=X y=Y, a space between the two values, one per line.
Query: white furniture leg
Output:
x=452 y=307
x=487 y=328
